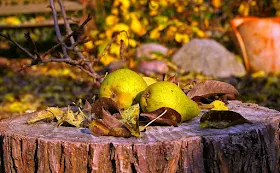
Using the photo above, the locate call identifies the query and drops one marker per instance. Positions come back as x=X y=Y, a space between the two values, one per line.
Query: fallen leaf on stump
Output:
x=108 y=126
x=72 y=118
x=106 y=104
x=49 y=114
x=87 y=108
x=212 y=87
x=170 y=117
x=221 y=119
x=130 y=118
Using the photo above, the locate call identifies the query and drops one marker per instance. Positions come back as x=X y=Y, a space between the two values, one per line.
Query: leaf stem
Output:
x=154 y=119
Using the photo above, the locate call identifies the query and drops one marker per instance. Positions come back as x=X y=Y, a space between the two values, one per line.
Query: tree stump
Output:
x=42 y=147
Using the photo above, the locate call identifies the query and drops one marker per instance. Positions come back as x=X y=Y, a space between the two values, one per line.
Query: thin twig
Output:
x=109 y=44
x=69 y=30
x=28 y=38
x=18 y=45
x=56 y=27
x=84 y=64
x=67 y=37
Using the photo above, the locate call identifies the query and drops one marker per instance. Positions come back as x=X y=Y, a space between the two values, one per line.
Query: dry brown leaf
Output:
x=211 y=87
x=221 y=119
x=110 y=120
x=87 y=108
x=108 y=126
x=49 y=114
x=106 y=104
x=170 y=117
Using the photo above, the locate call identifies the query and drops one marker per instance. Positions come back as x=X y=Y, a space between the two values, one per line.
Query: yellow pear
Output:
x=167 y=94
x=149 y=80
x=122 y=86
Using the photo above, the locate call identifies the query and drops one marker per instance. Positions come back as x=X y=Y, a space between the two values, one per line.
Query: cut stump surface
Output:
x=42 y=147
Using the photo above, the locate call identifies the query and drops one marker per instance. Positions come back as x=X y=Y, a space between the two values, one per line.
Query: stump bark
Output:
x=42 y=147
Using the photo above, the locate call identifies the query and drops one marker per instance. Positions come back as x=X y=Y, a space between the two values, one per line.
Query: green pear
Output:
x=122 y=86
x=167 y=94
x=149 y=80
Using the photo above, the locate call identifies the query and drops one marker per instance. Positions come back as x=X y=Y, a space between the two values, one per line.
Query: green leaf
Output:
x=221 y=119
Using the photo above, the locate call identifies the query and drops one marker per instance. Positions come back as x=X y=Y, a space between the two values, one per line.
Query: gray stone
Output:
x=146 y=50
x=208 y=57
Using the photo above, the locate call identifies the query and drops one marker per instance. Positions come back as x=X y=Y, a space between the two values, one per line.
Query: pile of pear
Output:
x=126 y=87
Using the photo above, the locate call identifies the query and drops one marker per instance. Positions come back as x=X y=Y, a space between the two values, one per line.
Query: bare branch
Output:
x=18 y=45
x=110 y=43
x=122 y=50
x=69 y=30
x=56 y=27
x=84 y=64
x=28 y=38
x=77 y=30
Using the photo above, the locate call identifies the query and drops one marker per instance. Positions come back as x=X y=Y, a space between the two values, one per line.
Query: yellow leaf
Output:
x=89 y=45
x=182 y=38
x=194 y=23
x=244 y=9
x=93 y=33
x=115 y=11
x=132 y=43
x=258 y=74
x=219 y=105
x=153 y=12
x=115 y=49
x=49 y=113
x=107 y=59
x=180 y=9
x=137 y=27
x=143 y=2
x=171 y=32
x=73 y=118
x=12 y=20
x=122 y=36
x=121 y=27
x=155 y=34
x=117 y=28
x=199 y=1
x=199 y=32
x=125 y=4
x=111 y=20
x=206 y=22
x=216 y=3
x=130 y=119
x=153 y=5
x=163 y=3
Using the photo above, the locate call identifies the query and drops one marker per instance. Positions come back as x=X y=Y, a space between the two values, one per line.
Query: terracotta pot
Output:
x=259 y=40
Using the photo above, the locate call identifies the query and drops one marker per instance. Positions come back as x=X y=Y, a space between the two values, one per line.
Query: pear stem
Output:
x=154 y=119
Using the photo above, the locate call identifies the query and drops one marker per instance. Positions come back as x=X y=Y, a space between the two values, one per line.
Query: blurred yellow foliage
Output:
x=12 y=20
x=216 y=3
x=173 y=22
x=89 y=45
x=182 y=38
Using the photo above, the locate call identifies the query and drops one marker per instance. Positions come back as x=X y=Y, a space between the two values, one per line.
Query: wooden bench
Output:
x=26 y=7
